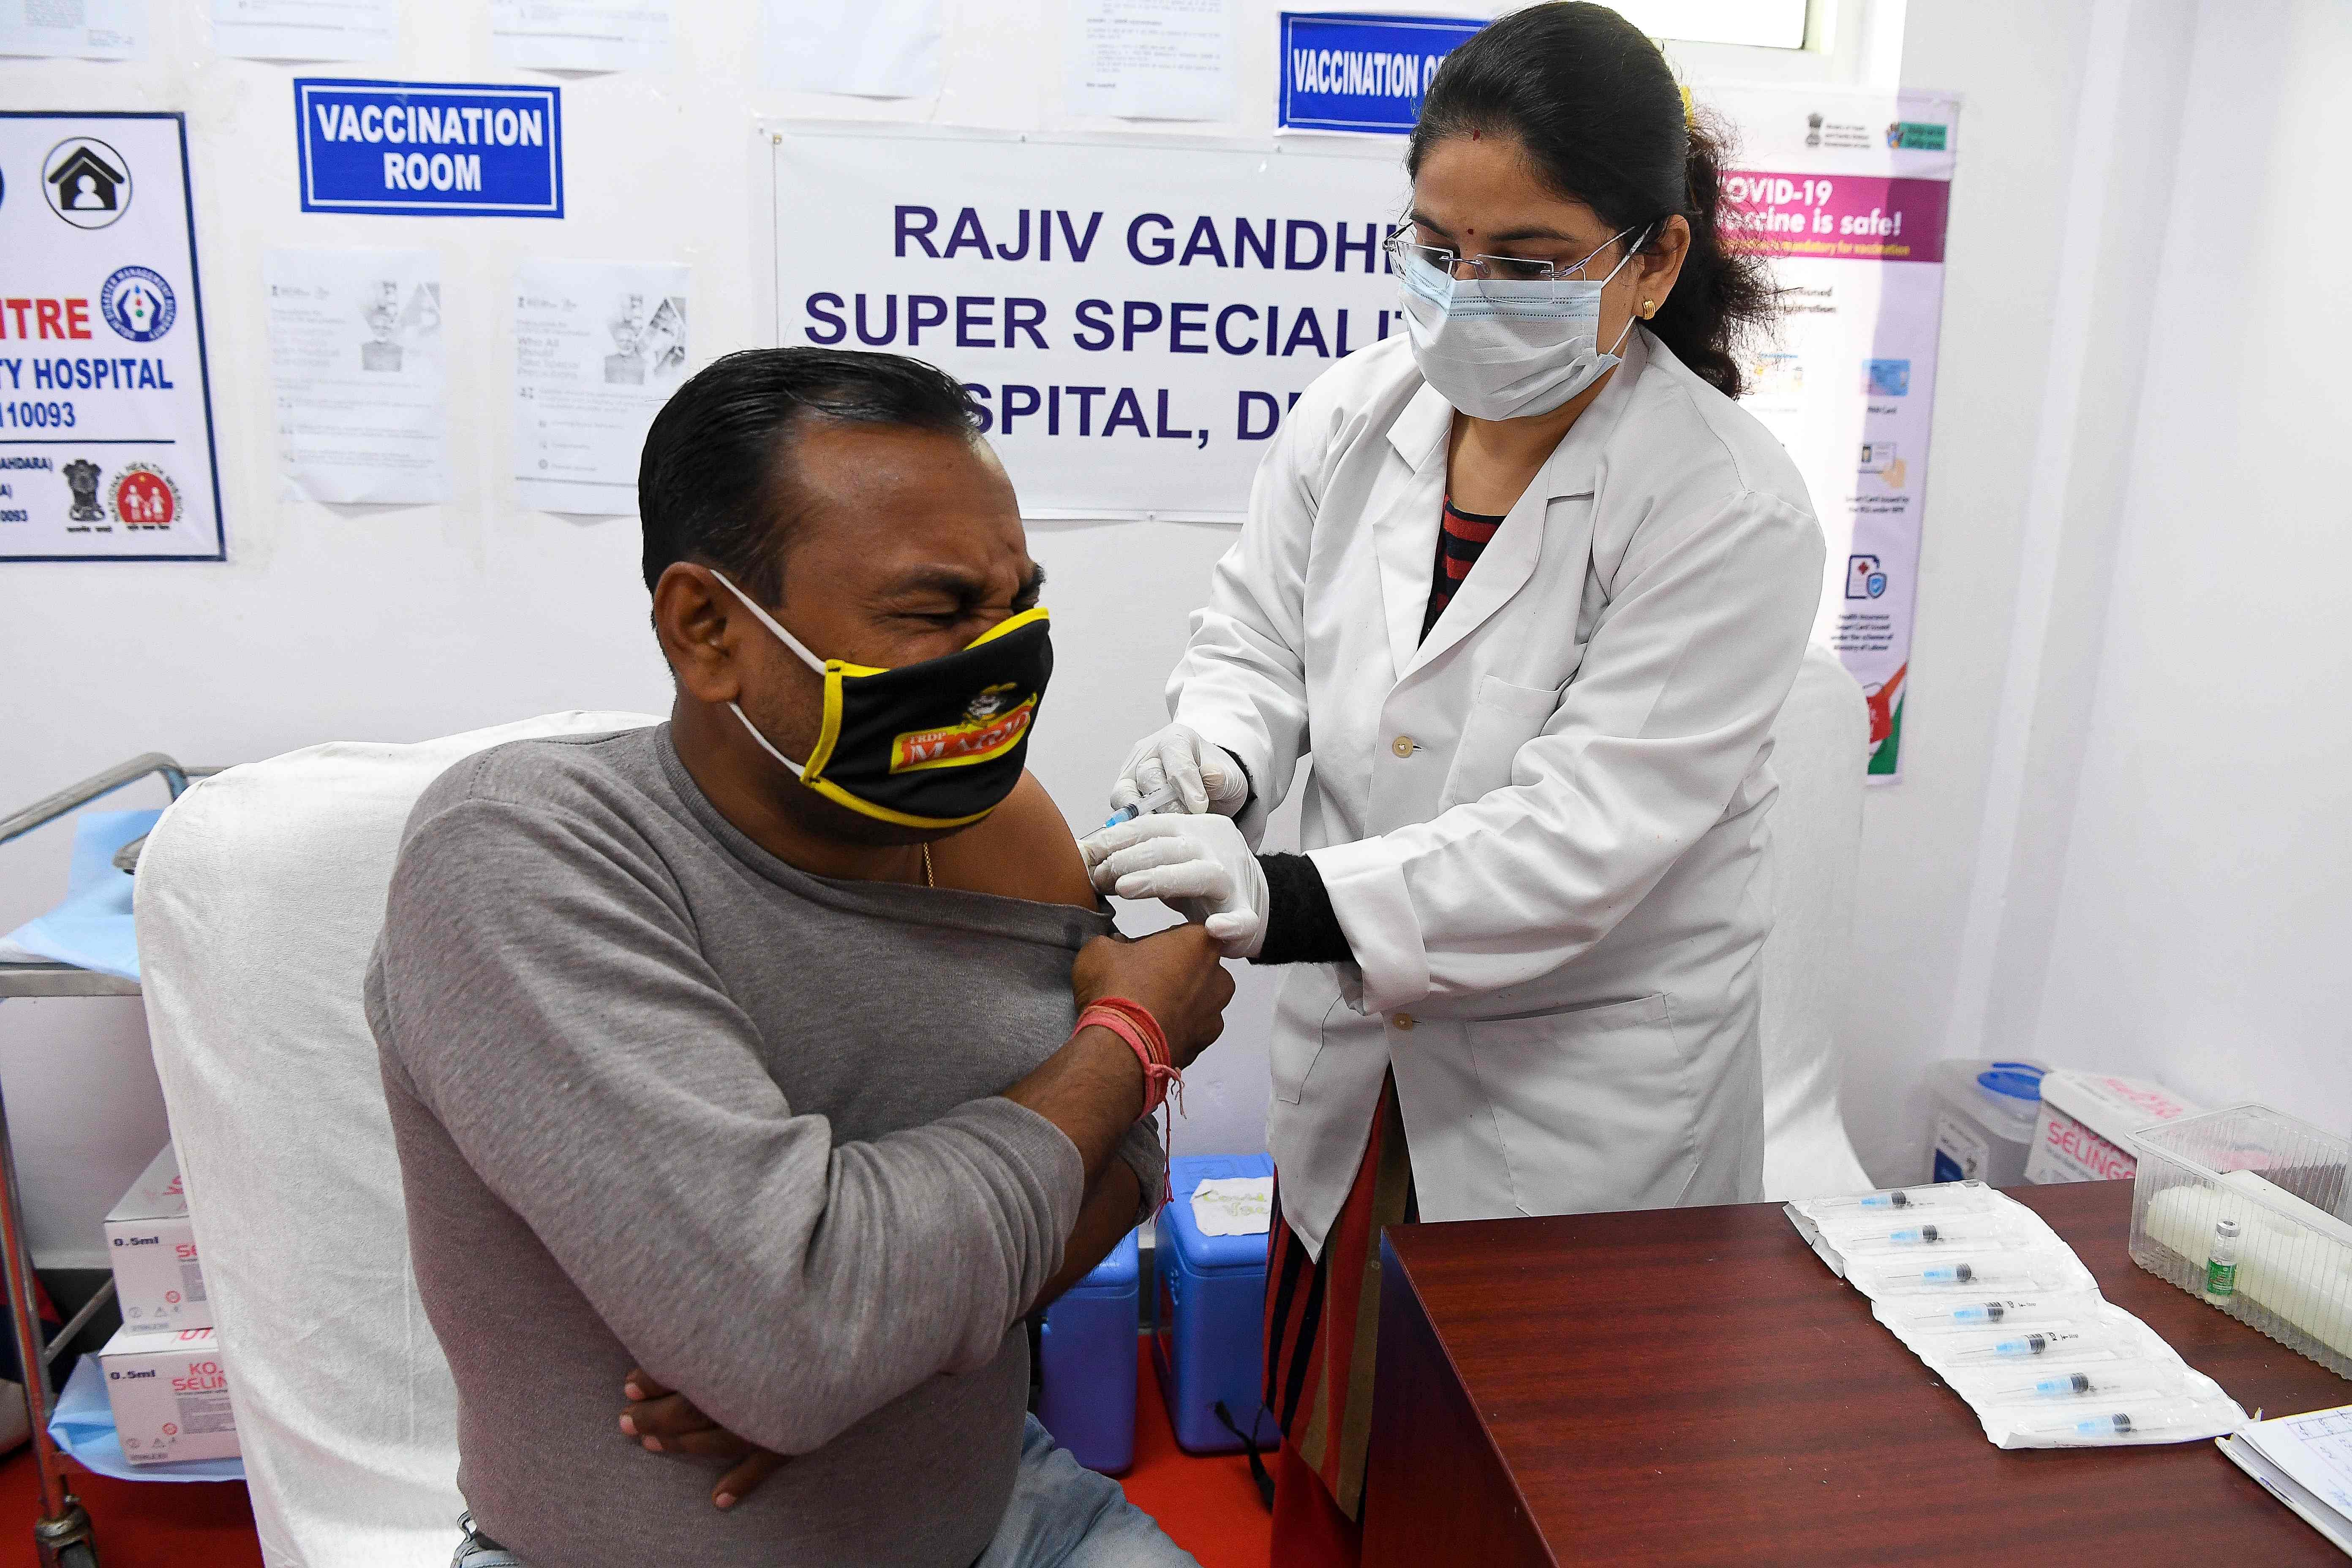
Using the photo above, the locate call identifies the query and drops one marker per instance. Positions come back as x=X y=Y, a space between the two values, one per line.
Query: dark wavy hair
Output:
x=716 y=473
x=1596 y=107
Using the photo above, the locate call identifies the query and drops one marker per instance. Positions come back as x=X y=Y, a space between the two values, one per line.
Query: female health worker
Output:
x=1532 y=587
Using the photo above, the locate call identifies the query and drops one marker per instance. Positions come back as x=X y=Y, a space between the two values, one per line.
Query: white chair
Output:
x=1819 y=746
x=259 y=899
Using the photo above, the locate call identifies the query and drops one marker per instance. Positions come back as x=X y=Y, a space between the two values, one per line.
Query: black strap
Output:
x=1250 y=1447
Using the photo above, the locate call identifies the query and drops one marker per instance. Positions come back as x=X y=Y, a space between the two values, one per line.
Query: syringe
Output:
x=2077 y=1386
x=1959 y=1195
x=1158 y=800
x=2115 y=1424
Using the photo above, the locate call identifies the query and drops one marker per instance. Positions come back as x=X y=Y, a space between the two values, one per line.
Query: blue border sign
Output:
x=106 y=441
x=1346 y=71
x=440 y=149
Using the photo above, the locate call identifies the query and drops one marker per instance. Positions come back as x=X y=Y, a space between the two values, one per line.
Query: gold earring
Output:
x=1648 y=310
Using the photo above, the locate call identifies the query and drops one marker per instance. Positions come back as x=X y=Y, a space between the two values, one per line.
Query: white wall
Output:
x=2204 y=931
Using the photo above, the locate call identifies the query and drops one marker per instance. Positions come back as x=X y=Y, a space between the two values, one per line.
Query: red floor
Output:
x=1207 y=1504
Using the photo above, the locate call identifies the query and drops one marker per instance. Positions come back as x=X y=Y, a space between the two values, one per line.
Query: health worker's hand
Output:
x=1201 y=867
x=664 y=1422
x=1206 y=775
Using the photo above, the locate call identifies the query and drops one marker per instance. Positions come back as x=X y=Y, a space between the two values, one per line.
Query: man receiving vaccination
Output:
x=741 y=1049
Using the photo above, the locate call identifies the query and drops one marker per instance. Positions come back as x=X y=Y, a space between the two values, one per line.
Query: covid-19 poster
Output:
x=106 y=430
x=1132 y=318
x=1847 y=195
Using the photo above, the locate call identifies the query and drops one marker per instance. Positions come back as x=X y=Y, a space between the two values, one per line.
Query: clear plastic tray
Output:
x=2252 y=1164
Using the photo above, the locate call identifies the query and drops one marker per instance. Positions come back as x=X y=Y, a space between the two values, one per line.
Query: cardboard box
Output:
x=170 y=1395
x=2084 y=1131
x=157 y=1275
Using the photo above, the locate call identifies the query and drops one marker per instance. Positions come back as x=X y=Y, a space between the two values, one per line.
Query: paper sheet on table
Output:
x=582 y=35
x=1150 y=60
x=1233 y=1205
x=306 y=29
x=91 y=29
x=91 y=929
x=82 y=1424
x=599 y=347
x=884 y=48
x=357 y=367
x=2306 y=1461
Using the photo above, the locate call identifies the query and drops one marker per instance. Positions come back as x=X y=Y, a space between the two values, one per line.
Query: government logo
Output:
x=138 y=304
x=145 y=496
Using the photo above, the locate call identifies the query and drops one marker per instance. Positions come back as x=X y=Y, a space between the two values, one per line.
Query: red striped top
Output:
x=1461 y=535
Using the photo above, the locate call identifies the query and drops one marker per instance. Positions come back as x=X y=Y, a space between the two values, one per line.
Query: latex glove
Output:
x=1201 y=867
x=1206 y=777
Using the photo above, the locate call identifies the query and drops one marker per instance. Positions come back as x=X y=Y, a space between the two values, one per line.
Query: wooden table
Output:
x=1694 y=1385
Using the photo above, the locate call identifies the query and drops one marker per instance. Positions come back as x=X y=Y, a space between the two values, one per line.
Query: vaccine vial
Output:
x=2222 y=1264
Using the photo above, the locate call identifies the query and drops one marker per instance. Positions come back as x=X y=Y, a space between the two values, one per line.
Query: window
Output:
x=1764 y=24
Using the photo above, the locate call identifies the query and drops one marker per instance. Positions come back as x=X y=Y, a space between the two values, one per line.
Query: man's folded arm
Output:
x=546 y=999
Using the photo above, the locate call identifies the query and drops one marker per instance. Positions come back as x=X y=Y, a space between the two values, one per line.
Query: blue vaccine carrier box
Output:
x=1208 y=1314
x=1085 y=1379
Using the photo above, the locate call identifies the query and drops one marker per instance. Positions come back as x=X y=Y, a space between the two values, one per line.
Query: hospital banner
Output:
x=106 y=423
x=1132 y=317
x=1847 y=194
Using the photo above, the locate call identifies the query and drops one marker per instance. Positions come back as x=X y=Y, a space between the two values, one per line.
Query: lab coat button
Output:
x=1402 y=1020
x=1402 y=746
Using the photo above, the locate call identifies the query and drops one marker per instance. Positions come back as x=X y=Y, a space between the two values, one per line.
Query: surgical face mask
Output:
x=1502 y=348
x=935 y=744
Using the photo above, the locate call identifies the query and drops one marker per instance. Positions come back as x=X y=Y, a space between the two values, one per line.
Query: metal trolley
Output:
x=62 y=1534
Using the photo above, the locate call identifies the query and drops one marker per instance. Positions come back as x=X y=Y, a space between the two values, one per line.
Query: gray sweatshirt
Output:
x=662 y=1099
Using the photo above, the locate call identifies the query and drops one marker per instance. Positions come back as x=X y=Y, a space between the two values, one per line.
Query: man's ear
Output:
x=698 y=634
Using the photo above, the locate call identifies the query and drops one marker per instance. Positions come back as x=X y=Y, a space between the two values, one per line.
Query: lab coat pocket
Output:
x=1307 y=999
x=1502 y=717
x=1595 y=1107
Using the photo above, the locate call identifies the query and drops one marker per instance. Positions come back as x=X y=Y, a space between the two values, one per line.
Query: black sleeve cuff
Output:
x=1301 y=926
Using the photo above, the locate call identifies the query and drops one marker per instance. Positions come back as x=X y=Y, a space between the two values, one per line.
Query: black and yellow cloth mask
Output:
x=938 y=743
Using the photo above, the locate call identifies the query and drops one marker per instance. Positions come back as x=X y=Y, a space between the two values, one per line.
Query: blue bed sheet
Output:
x=83 y=1425
x=92 y=930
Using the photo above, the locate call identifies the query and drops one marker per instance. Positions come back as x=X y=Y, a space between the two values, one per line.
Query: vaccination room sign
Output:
x=1134 y=320
x=430 y=149
x=106 y=428
x=1848 y=193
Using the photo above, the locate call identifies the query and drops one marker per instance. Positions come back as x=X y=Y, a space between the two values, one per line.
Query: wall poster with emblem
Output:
x=1845 y=194
x=106 y=424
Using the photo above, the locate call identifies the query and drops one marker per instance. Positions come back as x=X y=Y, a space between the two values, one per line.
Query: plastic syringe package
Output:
x=1985 y=1293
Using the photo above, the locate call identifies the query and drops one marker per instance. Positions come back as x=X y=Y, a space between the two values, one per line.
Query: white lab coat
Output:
x=1542 y=828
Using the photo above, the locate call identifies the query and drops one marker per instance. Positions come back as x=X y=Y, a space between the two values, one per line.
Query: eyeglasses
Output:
x=1403 y=249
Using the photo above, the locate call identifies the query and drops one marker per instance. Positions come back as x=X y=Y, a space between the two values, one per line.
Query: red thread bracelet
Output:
x=1134 y=1024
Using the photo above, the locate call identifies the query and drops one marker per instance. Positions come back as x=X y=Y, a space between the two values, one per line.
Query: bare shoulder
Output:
x=1024 y=850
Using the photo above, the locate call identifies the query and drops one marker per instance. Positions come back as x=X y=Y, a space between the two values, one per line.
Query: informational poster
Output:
x=359 y=382
x=1134 y=318
x=582 y=35
x=438 y=149
x=306 y=29
x=1346 y=71
x=1847 y=194
x=599 y=347
x=86 y=30
x=1152 y=60
x=876 y=49
x=106 y=424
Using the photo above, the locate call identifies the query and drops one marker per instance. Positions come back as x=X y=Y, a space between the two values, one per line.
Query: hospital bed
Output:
x=259 y=896
x=62 y=1533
